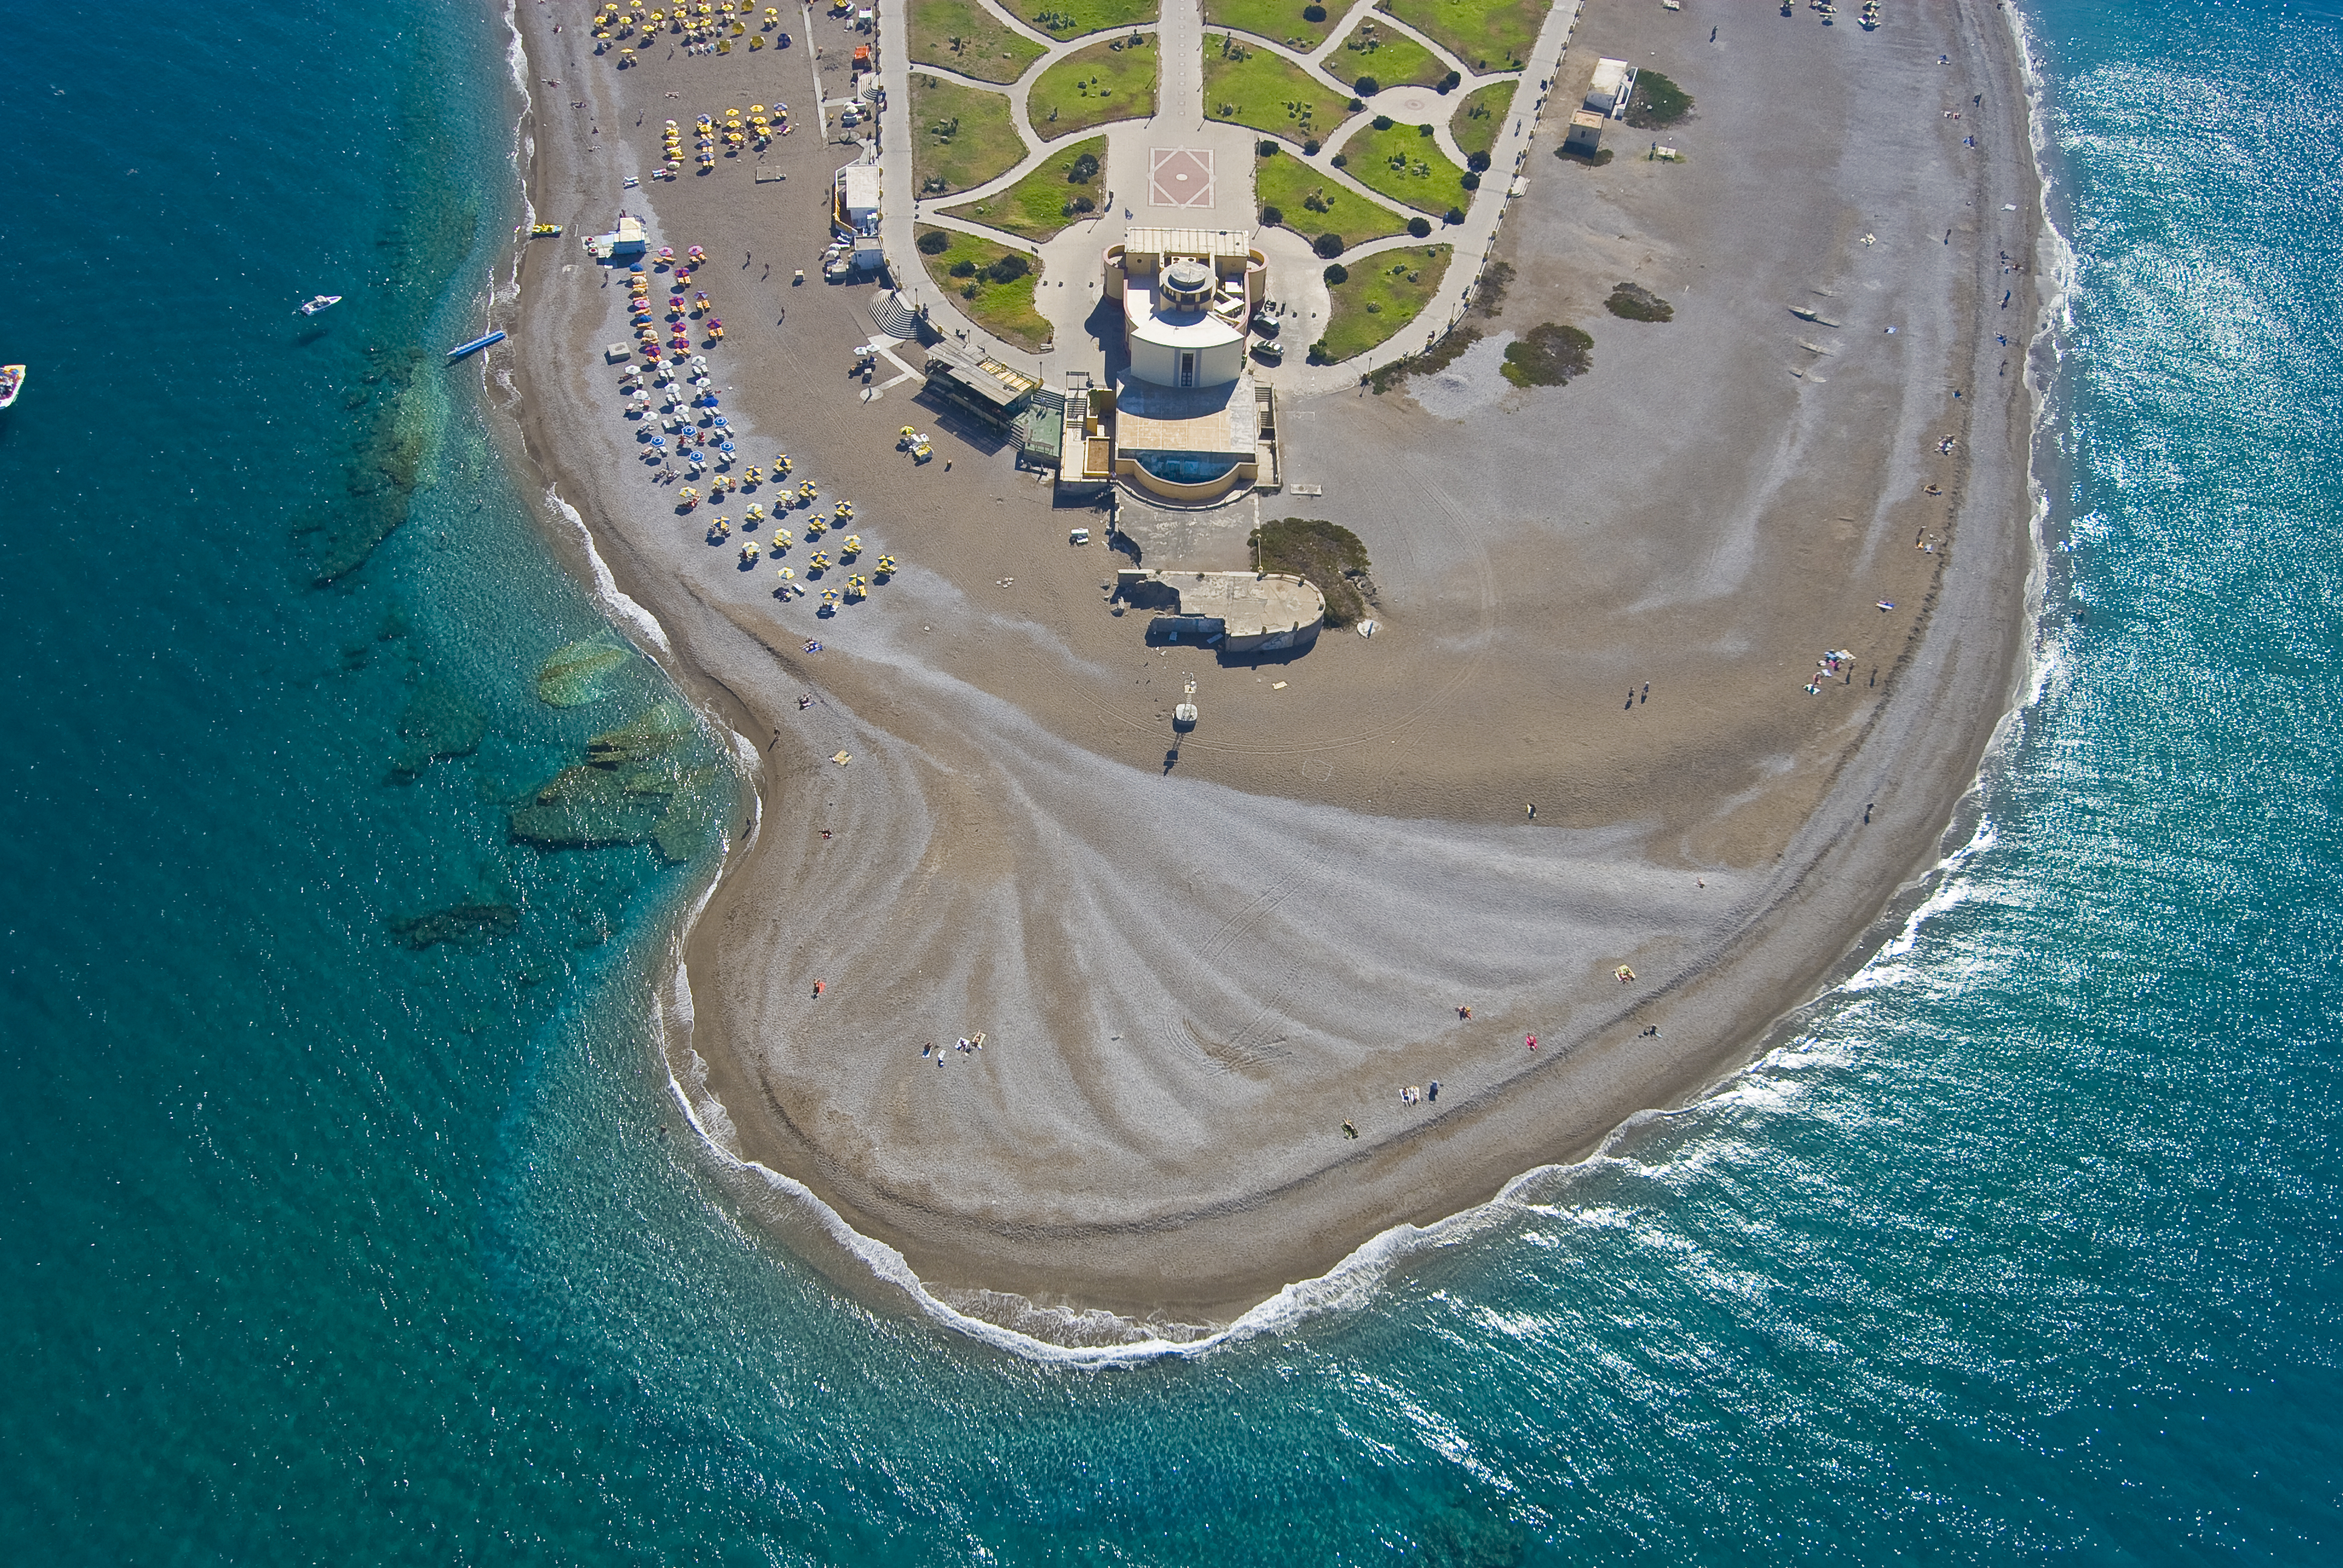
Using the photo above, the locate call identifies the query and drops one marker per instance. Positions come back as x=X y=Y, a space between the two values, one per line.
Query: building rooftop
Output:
x=1187 y=242
x=1205 y=420
x=1175 y=328
x=1246 y=604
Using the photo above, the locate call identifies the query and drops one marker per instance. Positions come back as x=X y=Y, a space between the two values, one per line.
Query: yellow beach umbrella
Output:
x=789 y=576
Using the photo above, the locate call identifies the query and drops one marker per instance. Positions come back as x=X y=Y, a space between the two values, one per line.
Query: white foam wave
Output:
x=621 y=609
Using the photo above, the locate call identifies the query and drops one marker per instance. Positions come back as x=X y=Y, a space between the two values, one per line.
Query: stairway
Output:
x=893 y=317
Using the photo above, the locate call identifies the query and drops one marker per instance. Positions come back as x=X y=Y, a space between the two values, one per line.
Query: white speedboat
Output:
x=320 y=303
x=12 y=381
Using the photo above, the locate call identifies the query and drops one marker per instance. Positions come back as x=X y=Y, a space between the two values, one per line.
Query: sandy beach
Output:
x=1603 y=600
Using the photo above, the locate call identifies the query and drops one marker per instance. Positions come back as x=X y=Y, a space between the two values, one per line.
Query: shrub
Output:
x=935 y=242
x=1381 y=122
x=1271 y=216
x=1367 y=87
x=1357 y=104
x=1420 y=226
x=1329 y=245
x=964 y=267
x=1314 y=12
x=1084 y=169
x=1477 y=162
x=1267 y=148
x=1469 y=180
x=1337 y=275
x=1341 y=160
x=1658 y=101
x=1009 y=268
x=1450 y=82
x=1631 y=302
x=1548 y=356
x=1079 y=206
x=1453 y=215
x=1309 y=148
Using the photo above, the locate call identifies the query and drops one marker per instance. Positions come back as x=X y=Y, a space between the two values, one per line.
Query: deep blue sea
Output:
x=325 y=1242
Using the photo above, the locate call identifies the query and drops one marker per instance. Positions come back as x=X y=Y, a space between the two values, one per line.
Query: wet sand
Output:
x=1189 y=975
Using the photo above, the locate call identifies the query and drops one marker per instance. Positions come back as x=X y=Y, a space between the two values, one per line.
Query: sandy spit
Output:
x=1190 y=973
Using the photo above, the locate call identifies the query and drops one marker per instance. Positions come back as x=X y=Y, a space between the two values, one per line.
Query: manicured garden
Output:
x=1073 y=18
x=1379 y=296
x=961 y=137
x=991 y=284
x=1482 y=117
x=1287 y=21
x=1309 y=203
x=1408 y=167
x=1486 y=34
x=963 y=36
x=1115 y=80
x=1389 y=55
x=1065 y=189
x=1251 y=86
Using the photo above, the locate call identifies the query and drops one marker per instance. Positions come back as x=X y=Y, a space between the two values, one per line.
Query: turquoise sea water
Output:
x=317 y=1246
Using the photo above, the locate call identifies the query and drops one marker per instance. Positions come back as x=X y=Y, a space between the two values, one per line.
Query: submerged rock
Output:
x=437 y=723
x=381 y=479
x=470 y=924
x=634 y=788
x=574 y=674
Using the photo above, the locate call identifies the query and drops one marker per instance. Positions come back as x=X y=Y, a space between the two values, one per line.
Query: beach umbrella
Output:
x=789 y=576
x=886 y=564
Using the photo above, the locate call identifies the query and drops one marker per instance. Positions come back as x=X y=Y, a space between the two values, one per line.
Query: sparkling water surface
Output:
x=316 y=1246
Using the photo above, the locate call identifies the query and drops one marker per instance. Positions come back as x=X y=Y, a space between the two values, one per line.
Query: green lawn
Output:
x=961 y=137
x=1424 y=179
x=1279 y=19
x=1381 y=296
x=1268 y=92
x=1387 y=55
x=1486 y=34
x=1071 y=18
x=1481 y=116
x=986 y=49
x=1108 y=81
x=1004 y=309
x=1035 y=207
x=1290 y=184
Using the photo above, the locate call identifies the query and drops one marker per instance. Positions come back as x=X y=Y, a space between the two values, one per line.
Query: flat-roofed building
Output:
x=1184 y=419
x=1607 y=100
x=1234 y=612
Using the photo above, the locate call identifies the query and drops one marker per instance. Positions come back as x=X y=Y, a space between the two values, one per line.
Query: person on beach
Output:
x=1532 y=1039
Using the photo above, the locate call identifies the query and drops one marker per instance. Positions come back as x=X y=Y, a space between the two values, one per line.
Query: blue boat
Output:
x=474 y=347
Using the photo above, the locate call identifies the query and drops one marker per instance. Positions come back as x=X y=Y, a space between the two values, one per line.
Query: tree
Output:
x=1420 y=226
x=1084 y=169
x=1366 y=87
x=1470 y=181
x=1267 y=148
x=1450 y=82
x=1314 y=12
x=964 y=267
x=1337 y=275
x=1009 y=268
x=1309 y=148
x=1477 y=162
x=1455 y=215
x=935 y=242
x=1329 y=245
x=1381 y=122
x=1271 y=216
